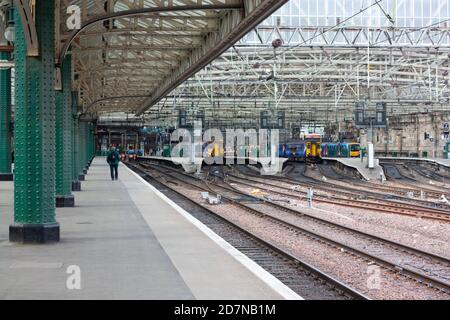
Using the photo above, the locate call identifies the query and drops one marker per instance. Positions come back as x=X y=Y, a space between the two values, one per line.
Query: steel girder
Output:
x=313 y=77
x=434 y=36
x=330 y=70
x=170 y=39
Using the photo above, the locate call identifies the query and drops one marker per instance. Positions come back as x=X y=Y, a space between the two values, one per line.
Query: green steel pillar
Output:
x=83 y=147
x=94 y=140
x=5 y=121
x=91 y=143
x=76 y=184
x=64 y=196
x=79 y=143
x=86 y=146
x=34 y=125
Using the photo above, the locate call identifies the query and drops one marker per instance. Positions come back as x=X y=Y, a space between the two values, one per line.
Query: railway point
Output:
x=235 y=157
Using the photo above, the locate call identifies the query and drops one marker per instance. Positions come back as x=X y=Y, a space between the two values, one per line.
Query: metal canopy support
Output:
x=76 y=184
x=34 y=181
x=79 y=148
x=233 y=26
x=64 y=197
x=29 y=26
x=5 y=121
x=139 y=12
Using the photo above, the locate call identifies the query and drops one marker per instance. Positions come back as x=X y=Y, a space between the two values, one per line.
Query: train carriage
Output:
x=293 y=150
x=341 y=150
x=313 y=148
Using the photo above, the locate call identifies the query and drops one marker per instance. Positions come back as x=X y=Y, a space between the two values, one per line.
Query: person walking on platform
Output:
x=113 y=160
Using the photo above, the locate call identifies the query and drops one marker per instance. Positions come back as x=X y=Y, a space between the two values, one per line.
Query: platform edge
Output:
x=274 y=283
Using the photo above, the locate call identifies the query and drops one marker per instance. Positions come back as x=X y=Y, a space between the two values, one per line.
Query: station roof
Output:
x=130 y=53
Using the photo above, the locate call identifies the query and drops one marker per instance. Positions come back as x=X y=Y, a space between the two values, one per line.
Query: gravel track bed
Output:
x=346 y=195
x=388 y=187
x=377 y=186
x=350 y=269
x=297 y=279
x=424 y=234
x=421 y=180
x=339 y=263
x=421 y=264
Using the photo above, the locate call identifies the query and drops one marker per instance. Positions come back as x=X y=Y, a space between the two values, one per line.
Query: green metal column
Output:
x=34 y=180
x=83 y=147
x=5 y=121
x=76 y=184
x=79 y=138
x=86 y=146
x=64 y=197
x=91 y=143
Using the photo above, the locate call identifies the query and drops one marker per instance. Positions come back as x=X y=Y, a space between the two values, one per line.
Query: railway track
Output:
x=356 y=192
x=427 y=263
x=389 y=207
x=429 y=173
x=398 y=191
x=403 y=190
x=301 y=277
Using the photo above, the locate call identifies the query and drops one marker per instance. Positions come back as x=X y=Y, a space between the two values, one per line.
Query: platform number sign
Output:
x=264 y=120
x=272 y=119
x=446 y=130
x=281 y=119
x=182 y=119
x=380 y=119
x=200 y=117
x=359 y=113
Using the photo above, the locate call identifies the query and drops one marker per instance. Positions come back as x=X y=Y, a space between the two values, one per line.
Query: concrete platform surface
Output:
x=128 y=242
x=361 y=167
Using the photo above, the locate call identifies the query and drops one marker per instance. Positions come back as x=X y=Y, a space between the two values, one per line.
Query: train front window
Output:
x=355 y=148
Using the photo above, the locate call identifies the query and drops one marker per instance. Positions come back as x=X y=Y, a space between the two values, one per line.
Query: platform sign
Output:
x=446 y=130
x=264 y=124
x=182 y=119
x=281 y=120
x=200 y=117
x=104 y=145
x=359 y=113
x=272 y=119
x=380 y=114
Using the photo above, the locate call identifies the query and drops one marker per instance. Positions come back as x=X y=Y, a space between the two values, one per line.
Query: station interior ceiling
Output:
x=312 y=59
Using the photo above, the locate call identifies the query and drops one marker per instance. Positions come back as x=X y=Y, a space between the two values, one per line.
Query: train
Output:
x=307 y=150
x=213 y=149
x=295 y=151
x=341 y=150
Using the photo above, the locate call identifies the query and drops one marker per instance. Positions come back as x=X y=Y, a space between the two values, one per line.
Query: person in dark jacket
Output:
x=113 y=160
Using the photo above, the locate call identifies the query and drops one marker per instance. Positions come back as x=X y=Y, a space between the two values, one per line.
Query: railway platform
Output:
x=439 y=161
x=125 y=240
x=361 y=167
